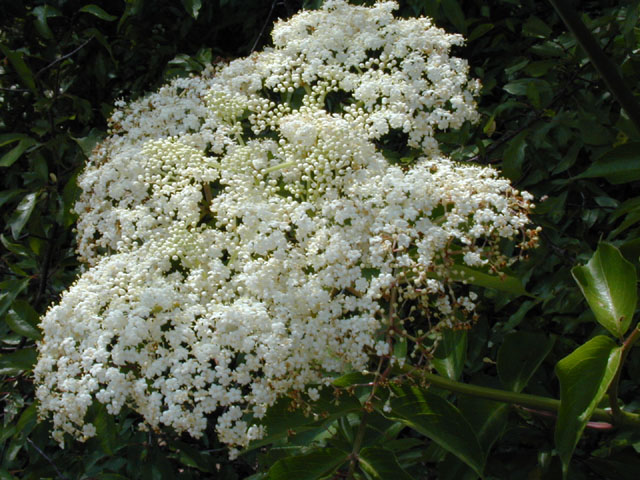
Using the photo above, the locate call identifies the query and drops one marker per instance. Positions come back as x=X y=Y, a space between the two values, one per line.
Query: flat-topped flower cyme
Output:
x=245 y=231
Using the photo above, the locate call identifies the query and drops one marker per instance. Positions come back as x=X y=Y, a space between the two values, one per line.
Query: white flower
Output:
x=239 y=247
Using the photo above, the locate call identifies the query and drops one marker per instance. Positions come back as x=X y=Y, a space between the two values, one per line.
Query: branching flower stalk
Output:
x=244 y=231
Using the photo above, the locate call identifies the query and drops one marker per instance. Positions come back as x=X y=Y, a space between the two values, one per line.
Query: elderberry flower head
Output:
x=256 y=229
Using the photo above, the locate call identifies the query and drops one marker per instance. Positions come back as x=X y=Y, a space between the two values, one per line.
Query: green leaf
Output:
x=27 y=420
x=282 y=418
x=479 y=31
x=534 y=27
x=311 y=466
x=382 y=464
x=98 y=12
x=16 y=152
x=7 y=138
x=520 y=355
x=503 y=283
x=16 y=362
x=514 y=157
x=192 y=7
x=620 y=165
x=352 y=378
x=451 y=353
x=21 y=325
x=9 y=290
x=584 y=377
x=89 y=142
x=42 y=14
x=454 y=14
x=7 y=195
x=439 y=420
x=22 y=213
x=608 y=282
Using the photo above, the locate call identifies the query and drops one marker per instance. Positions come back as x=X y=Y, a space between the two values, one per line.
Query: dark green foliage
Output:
x=550 y=124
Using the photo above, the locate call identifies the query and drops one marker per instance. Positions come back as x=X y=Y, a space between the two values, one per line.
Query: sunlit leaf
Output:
x=584 y=377
x=608 y=282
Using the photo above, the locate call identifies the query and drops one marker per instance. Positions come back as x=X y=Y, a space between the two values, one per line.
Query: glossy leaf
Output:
x=22 y=213
x=520 y=355
x=381 y=464
x=503 y=283
x=584 y=377
x=608 y=282
x=22 y=326
x=451 y=353
x=16 y=152
x=620 y=165
x=98 y=12
x=311 y=466
x=435 y=417
x=16 y=362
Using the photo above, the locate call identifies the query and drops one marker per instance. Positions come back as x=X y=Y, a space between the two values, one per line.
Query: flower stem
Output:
x=617 y=413
x=521 y=399
x=357 y=443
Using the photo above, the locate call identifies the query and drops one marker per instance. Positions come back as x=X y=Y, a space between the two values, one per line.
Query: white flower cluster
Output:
x=246 y=235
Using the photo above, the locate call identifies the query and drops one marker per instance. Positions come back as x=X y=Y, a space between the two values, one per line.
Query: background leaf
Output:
x=520 y=355
x=618 y=166
x=310 y=466
x=451 y=353
x=439 y=420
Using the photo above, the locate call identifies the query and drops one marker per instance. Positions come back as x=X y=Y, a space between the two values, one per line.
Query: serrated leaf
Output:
x=21 y=215
x=451 y=353
x=16 y=152
x=16 y=362
x=584 y=377
x=381 y=464
x=520 y=355
x=311 y=466
x=620 y=165
x=608 y=282
x=439 y=420
x=98 y=12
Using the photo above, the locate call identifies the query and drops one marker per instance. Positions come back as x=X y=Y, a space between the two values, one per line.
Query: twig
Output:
x=264 y=26
x=64 y=57
x=46 y=457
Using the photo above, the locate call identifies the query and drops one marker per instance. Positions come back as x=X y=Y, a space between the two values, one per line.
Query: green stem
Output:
x=522 y=399
x=602 y=63
x=357 y=443
x=617 y=413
